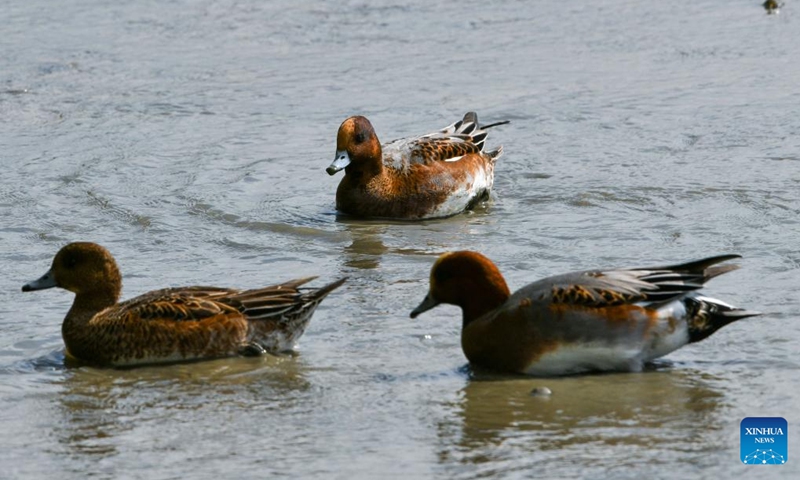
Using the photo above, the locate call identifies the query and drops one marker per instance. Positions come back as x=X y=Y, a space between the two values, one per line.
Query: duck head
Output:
x=465 y=279
x=82 y=268
x=357 y=148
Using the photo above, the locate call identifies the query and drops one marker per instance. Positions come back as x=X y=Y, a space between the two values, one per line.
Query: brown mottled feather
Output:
x=428 y=150
x=435 y=175
x=173 y=324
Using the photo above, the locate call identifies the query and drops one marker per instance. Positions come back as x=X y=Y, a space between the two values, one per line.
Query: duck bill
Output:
x=48 y=280
x=339 y=163
x=426 y=305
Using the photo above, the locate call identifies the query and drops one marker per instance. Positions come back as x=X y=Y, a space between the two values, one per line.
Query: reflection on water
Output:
x=496 y=421
x=367 y=242
x=367 y=246
x=99 y=405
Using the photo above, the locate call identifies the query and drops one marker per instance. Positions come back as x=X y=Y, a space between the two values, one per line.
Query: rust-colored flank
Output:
x=581 y=321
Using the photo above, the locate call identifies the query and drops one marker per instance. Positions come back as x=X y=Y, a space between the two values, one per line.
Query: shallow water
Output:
x=191 y=139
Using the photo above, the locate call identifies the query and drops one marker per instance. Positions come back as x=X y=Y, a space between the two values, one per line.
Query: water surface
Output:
x=191 y=139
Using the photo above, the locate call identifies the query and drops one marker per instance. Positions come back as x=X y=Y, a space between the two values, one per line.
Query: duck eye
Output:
x=361 y=137
x=71 y=262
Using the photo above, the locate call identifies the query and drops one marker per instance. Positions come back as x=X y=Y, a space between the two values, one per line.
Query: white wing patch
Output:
x=397 y=153
x=403 y=152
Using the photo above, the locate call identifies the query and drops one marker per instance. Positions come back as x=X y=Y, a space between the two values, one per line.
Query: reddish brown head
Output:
x=83 y=268
x=468 y=280
x=357 y=148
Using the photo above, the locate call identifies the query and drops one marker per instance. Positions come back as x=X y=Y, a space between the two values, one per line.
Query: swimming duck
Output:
x=592 y=320
x=435 y=175
x=772 y=7
x=173 y=324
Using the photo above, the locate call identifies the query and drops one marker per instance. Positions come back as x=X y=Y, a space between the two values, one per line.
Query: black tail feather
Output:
x=696 y=266
x=701 y=270
x=707 y=315
x=495 y=124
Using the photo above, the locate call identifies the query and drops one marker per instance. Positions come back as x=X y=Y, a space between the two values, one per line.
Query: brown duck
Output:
x=172 y=324
x=430 y=176
x=592 y=320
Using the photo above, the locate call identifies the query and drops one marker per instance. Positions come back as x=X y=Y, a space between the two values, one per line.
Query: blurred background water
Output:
x=191 y=138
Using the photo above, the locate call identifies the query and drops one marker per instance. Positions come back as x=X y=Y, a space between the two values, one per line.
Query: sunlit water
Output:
x=191 y=139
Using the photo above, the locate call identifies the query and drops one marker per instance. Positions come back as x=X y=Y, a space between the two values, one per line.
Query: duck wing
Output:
x=449 y=144
x=606 y=288
x=198 y=303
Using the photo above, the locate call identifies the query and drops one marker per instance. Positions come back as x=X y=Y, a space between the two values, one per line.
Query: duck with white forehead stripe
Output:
x=431 y=176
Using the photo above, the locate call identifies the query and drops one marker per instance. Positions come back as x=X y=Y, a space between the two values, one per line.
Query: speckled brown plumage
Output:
x=434 y=175
x=581 y=321
x=173 y=324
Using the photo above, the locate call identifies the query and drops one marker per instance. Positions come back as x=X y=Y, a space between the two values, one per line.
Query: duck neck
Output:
x=371 y=166
x=87 y=305
x=477 y=302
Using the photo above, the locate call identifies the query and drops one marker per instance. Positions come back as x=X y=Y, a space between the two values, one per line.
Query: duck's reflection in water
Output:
x=105 y=411
x=367 y=247
x=655 y=415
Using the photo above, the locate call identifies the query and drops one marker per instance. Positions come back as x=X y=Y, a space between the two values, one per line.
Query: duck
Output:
x=436 y=175
x=579 y=322
x=772 y=7
x=172 y=324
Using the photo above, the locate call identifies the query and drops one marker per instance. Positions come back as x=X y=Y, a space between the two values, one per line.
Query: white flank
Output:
x=671 y=333
x=586 y=358
x=458 y=199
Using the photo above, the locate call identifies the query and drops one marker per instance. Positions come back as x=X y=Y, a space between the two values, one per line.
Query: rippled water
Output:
x=191 y=139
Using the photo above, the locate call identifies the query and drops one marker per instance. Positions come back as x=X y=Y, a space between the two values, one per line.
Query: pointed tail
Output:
x=318 y=294
x=469 y=129
x=707 y=315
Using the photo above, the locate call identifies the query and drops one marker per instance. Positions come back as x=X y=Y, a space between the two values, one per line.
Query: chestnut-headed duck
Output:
x=172 y=324
x=435 y=175
x=585 y=321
